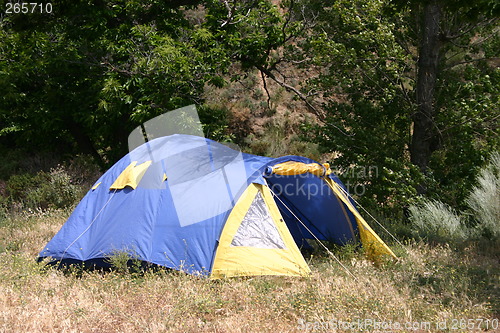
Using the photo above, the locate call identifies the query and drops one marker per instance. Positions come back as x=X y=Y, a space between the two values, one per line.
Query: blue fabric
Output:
x=177 y=223
x=312 y=201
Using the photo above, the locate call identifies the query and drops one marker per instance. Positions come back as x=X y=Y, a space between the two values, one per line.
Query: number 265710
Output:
x=28 y=8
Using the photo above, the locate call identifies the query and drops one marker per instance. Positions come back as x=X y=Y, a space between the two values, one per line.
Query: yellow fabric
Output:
x=297 y=168
x=164 y=176
x=247 y=261
x=131 y=176
x=373 y=244
x=96 y=186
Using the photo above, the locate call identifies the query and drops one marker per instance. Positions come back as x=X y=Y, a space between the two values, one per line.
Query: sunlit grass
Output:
x=427 y=284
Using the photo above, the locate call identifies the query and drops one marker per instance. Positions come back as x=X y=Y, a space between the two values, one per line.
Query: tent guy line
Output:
x=320 y=242
x=372 y=217
x=84 y=231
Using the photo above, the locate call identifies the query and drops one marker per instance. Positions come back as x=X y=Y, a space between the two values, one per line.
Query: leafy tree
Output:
x=455 y=42
x=410 y=89
x=84 y=76
x=379 y=78
x=367 y=99
x=456 y=88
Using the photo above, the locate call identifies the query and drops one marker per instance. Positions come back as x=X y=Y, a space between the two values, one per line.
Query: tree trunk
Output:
x=83 y=141
x=424 y=131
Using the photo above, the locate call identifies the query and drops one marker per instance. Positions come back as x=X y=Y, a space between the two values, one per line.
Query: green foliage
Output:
x=20 y=187
x=11 y=164
x=124 y=262
x=362 y=74
x=62 y=192
x=365 y=58
x=83 y=77
x=42 y=190
x=80 y=79
x=250 y=31
x=82 y=170
x=215 y=123
x=470 y=130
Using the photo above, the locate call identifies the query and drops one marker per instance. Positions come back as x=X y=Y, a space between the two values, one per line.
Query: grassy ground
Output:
x=431 y=288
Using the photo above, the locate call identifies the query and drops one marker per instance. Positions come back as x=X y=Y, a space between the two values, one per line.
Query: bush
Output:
x=22 y=189
x=484 y=200
x=124 y=262
x=435 y=220
x=82 y=170
x=61 y=192
x=42 y=190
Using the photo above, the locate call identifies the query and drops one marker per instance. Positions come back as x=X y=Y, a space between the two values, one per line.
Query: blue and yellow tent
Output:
x=192 y=204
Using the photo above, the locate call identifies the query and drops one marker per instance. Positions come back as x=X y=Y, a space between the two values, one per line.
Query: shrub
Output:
x=21 y=189
x=43 y=190
x=83 y=170
x=484 y=200
x=435 y=220
x=124 y=262
x=61 y=192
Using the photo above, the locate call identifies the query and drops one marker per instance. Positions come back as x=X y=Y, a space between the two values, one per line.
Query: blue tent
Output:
x=192 y=204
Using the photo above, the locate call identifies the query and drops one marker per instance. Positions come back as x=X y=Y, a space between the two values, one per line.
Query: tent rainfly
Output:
x=195 y=205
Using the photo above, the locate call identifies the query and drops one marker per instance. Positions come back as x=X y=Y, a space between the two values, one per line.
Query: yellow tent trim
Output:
x=245 y=260
x=131 y=176
x=373 y=244
x=297 y=168
x=96 y=186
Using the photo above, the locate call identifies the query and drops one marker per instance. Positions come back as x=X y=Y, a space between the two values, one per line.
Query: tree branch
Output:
x=298 y=93
x=231 y=14
x=469 y=61
x=265 y=88
x=288 y=87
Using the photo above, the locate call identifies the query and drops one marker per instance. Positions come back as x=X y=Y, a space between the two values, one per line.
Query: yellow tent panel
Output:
x=280 y=256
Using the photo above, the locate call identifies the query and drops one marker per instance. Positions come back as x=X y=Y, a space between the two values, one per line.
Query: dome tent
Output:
x=192 y=204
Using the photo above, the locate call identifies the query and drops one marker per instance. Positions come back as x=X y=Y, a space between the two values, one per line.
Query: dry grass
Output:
x=428 y=284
